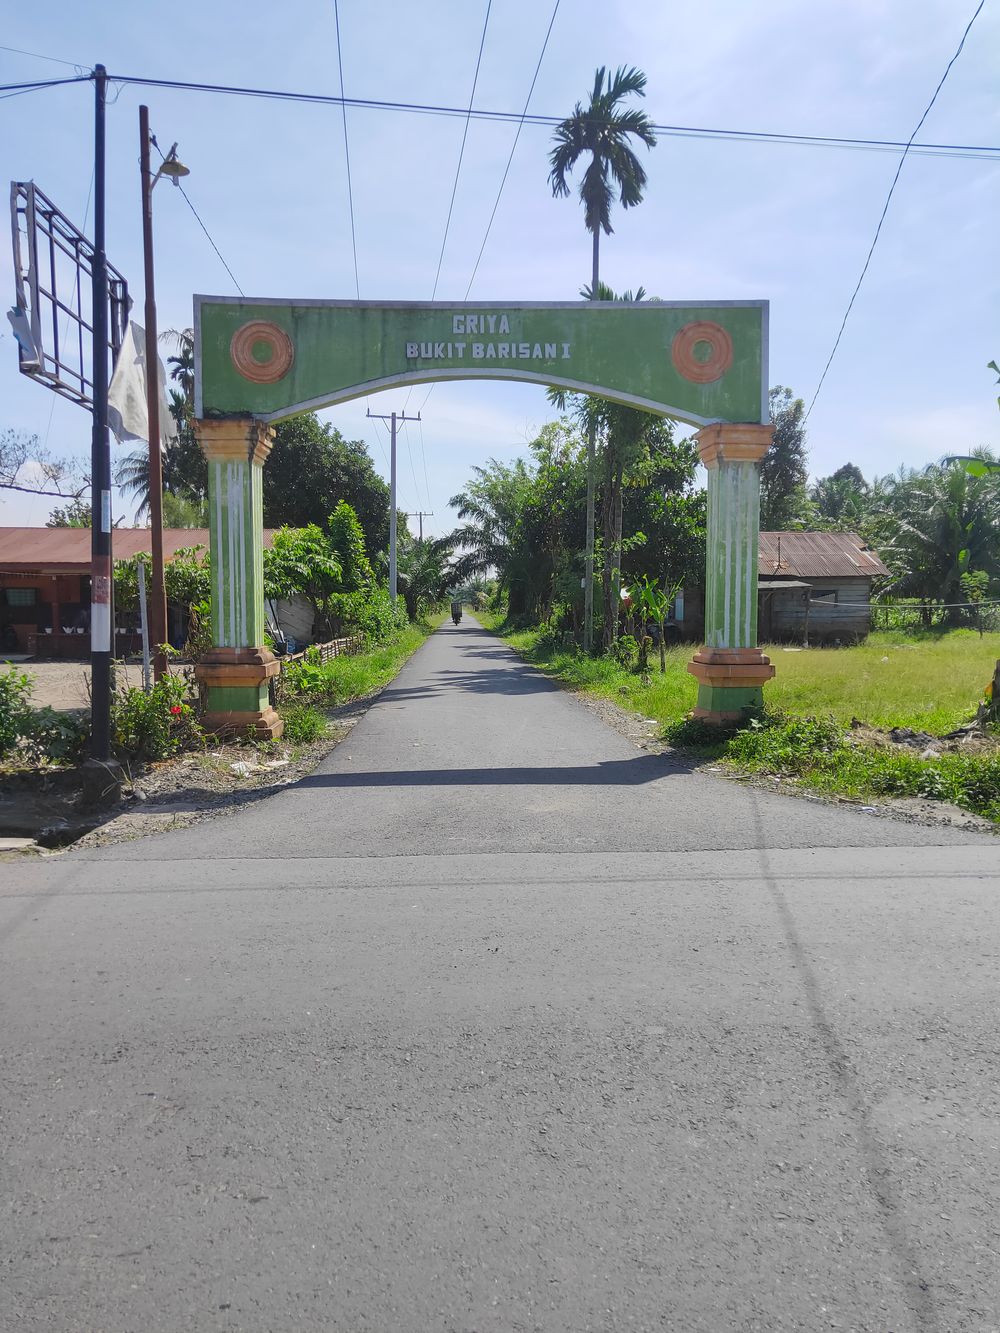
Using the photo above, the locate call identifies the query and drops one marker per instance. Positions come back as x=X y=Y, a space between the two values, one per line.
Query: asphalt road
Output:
x=499 y=1022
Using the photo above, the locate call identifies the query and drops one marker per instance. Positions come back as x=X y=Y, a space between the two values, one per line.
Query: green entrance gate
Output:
x=257 y=361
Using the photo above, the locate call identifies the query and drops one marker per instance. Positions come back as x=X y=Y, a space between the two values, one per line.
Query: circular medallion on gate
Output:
x=262 y=352
x=702 y=351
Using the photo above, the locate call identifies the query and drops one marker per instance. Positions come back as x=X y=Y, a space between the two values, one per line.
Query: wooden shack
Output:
x=815 y=587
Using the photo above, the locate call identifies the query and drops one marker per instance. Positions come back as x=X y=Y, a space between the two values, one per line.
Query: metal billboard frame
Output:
x=44 y=241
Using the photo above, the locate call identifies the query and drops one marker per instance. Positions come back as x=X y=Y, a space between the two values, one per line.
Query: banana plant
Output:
x=655 y=602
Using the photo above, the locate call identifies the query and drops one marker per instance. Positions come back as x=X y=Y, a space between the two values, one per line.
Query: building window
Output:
x=828 y=595
x=21 y=596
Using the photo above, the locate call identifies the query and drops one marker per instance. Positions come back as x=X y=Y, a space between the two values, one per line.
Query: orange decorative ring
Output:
x=262 y=352
x=712 y=367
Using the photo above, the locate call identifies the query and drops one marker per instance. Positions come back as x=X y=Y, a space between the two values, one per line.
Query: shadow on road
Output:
x=612 y=772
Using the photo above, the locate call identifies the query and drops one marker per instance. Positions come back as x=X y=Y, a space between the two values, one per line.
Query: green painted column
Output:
x=236 y=672
x=730 y=668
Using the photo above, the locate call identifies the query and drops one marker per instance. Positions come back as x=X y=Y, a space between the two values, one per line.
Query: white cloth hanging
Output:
x=127 y=414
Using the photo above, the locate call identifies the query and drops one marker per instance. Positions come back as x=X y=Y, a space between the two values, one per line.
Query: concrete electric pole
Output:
x=394 y=418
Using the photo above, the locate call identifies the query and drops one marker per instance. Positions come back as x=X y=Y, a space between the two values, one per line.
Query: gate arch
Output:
x=259 y=360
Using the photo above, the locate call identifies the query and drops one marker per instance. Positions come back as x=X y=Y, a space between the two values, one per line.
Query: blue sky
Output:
x=720 y=221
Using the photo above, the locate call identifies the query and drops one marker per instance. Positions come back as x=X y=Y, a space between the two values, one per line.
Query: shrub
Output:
x=373 y=615
x=15 y=708
x=625 y=651
x=55 y=738
x=303 y=723
x=156 y=725
x=785 y=745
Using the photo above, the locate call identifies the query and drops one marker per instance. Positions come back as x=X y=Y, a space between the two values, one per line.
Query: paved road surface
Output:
x=498 y=1023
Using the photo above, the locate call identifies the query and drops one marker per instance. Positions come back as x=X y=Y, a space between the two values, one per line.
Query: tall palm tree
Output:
x=604 y=129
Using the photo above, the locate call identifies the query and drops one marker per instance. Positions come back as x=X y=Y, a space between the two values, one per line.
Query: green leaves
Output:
x=603 y=129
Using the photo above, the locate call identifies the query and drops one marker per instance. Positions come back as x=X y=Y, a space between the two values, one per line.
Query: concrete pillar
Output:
x=235 y=673
x=730 y=668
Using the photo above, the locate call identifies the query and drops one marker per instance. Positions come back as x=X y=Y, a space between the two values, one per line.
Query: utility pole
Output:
x=394 y=418
x=421 y=514
x=158 y=592
x=101 y=627
x=173 y=169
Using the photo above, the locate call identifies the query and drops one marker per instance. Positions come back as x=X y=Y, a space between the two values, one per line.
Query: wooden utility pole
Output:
x=157 y=592
x=394 y=418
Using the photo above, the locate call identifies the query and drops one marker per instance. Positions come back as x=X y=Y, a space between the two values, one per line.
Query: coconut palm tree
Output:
x=936 y=525
x=603 y=129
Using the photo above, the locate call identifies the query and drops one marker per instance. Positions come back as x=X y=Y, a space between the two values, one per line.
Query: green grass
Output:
x=348 y=678
x=931 y=684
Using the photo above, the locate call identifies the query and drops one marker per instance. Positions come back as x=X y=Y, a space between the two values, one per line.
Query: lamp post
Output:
x=158 y=594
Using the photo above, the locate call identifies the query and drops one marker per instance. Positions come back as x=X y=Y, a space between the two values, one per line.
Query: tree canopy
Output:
x=311 y=468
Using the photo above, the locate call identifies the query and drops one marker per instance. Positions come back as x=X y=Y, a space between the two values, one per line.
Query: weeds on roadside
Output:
x=303 y=723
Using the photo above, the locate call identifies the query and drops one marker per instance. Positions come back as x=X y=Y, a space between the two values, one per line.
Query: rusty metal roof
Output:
x=817 y=555
x=67 y=550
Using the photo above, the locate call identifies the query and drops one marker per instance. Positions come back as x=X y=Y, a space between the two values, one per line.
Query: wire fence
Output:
x=918 y=617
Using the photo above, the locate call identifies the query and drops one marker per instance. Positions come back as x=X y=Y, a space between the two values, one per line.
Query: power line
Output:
x=199 y=221
x=16 y=89
x=985 y=151
x=980 y=152
x=211 y=239
x=513 y=148
x=409 y=453
x=461 y=151
x=503 y=180
x=378 y=437
x=454 y=187
x=885 y=207
x=37 y=55
x=347 y=150
x=423 y=455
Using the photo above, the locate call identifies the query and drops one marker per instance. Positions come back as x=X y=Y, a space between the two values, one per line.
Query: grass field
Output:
x=932 y=684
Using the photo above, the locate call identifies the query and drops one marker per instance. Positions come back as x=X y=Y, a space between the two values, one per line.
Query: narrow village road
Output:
x=499 y=1022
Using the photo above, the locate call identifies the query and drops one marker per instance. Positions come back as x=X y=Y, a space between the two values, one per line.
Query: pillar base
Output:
x=234 y=682
x=254 y=724
x=730 y=684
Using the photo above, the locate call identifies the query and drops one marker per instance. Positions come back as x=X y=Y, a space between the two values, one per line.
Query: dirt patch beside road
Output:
x=215 y=781
x=66 y=685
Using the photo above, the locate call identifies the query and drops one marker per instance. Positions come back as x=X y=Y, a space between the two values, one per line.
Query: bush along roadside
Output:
x=820 y=754
x=36 y=737
x=153 y=726
x=345 y=679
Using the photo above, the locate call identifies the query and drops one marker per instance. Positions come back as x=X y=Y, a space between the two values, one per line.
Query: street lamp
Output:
x=172 y=168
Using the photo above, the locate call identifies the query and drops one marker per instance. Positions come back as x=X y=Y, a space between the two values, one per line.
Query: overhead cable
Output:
x=461 y=151
x=14 y=89
x=347 y=150
x=986 y=151
x=201 y=224
x=37 y=55
x=506 y=171
x=885 y=208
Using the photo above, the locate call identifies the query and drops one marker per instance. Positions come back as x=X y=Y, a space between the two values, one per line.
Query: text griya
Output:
x=497 y=325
